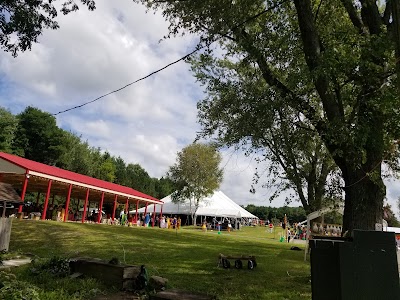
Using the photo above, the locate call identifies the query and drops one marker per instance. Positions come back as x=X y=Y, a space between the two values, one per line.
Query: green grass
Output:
x=188 y=258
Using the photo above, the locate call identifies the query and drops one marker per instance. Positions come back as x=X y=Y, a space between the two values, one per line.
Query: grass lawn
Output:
x=188 y=258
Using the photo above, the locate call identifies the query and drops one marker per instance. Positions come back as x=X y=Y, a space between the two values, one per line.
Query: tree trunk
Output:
x=363 y=201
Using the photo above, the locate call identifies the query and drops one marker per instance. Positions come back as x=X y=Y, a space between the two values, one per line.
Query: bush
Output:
x=56 y=266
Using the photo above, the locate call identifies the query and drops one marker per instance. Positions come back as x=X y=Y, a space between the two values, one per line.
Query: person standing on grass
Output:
x=174 y=222
x=229 y=227
x=204 y=226
x=168 y=222
x=147 y=220
x=179 y=222
x=162 y=223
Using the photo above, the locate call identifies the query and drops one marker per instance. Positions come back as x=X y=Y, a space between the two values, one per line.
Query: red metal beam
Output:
x=115 y=207
x=85 y=207
x=154 y=215
x=46 y=201
x=127 y=206
x=67 y=203
x=23 y=191
x=99 y=213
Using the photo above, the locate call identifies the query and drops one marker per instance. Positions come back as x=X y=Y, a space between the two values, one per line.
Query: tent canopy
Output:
x=216 y=205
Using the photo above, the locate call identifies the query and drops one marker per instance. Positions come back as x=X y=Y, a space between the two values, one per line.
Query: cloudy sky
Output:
x=147 y=123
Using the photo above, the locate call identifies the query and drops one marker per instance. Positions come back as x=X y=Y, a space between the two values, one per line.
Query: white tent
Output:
x=216 y=205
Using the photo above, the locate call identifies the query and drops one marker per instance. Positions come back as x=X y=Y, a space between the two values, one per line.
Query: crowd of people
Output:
x=146 y=220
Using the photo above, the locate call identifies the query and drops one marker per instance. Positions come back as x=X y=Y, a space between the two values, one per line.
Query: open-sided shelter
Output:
x=27 y=175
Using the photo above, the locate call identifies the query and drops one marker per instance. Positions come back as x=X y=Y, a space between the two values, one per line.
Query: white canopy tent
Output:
x=216 y=205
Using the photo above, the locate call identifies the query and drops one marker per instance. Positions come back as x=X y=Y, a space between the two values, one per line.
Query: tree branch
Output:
x=312 y=51
x=298 y=103
x=354 y=17
x=370 y=16
x=387 y=13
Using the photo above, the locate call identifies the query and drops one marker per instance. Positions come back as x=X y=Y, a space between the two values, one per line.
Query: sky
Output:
x=96 y=52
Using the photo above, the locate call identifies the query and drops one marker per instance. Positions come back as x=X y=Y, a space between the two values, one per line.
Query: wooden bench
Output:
x=223 y=260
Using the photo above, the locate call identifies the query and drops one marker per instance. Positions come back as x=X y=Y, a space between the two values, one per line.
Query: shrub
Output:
x=56 y=266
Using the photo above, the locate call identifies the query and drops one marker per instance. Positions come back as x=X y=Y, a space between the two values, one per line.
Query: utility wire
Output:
x=198 y=48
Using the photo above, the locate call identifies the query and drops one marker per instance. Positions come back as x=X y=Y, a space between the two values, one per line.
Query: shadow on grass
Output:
x=188 y=258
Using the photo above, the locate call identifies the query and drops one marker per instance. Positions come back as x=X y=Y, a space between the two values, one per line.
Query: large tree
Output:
x=8 y=125
x=331 y=62
x=291 y=156
x=38 y=137
x=23 y=21
x=196 y=174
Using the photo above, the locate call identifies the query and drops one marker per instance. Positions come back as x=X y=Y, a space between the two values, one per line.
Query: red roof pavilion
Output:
x=26 y=174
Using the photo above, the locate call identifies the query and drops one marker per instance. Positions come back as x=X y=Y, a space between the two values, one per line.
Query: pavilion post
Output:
x=154 y=215
x=161 y=210
x=23 y=192
x=115 y=207
x=67 y=203
x=46 y=201
x=137 y=207
x=85 y=206
x=100 y=210
x=127 y=206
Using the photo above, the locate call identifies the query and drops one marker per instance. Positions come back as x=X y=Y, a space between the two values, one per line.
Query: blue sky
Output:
x=148 y=123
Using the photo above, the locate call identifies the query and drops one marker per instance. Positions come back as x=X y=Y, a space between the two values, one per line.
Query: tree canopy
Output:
x=23 y=21
x=330 y=64
x=34 y=134
x=196 y=174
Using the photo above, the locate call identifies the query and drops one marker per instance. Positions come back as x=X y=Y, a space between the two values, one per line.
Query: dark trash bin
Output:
x=362 y=267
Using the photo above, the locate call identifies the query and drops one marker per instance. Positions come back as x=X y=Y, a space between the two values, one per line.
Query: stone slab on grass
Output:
x=15 y=262
x=175 y=294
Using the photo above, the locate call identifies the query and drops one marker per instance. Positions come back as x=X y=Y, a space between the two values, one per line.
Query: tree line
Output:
x=277 y=214
x=34 y=134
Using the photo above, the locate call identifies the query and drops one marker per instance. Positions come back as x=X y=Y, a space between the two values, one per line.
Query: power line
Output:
x=131 y=83
x=198 y=48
